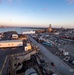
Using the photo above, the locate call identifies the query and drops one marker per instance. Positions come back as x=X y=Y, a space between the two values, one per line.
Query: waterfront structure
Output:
x=11 y=43
x=29 y=32
x=22 y=37
x=15 y=36
x=49 y=28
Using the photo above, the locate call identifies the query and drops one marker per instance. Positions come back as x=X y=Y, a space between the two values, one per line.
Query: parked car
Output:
x=67 y=58
x=47 y=44
x=71 y=61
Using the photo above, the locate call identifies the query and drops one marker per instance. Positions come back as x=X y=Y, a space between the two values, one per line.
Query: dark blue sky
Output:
x=37 y=12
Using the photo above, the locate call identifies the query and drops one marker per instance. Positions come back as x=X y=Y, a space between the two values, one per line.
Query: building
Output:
x=29 y=32
x=49 y=28
x=22 y=37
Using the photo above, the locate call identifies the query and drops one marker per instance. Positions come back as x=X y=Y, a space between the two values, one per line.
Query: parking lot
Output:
x=57 y=44
x=62 y=67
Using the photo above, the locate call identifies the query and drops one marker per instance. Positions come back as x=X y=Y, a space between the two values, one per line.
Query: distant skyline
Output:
x=36 y=13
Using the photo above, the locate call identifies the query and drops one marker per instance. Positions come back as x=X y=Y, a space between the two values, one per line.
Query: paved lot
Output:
x=5 y=52
x=54 y=50
x=70 y=48
x=62 y=67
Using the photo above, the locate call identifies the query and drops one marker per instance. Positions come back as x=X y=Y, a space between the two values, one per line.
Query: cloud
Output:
x=45 y=9
x=70 y=1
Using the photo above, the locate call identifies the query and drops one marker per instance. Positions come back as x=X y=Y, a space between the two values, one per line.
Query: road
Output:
x=62 y=67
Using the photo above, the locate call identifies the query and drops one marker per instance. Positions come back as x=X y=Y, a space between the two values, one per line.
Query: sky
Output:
x=37 y=13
